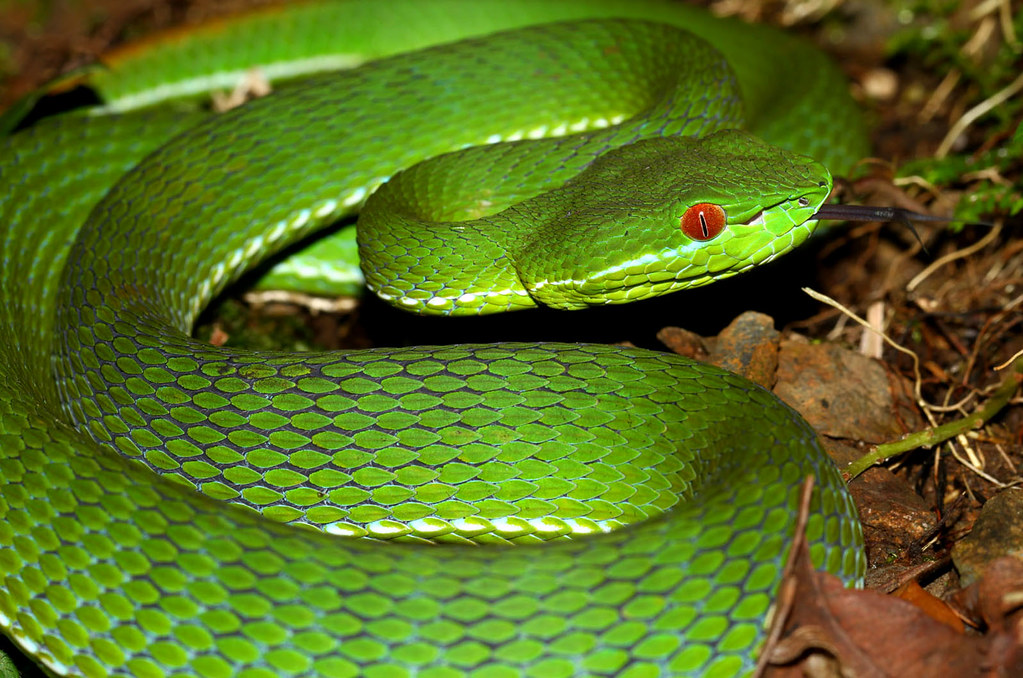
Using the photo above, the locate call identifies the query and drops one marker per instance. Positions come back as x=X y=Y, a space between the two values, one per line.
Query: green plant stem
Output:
x=933 y=436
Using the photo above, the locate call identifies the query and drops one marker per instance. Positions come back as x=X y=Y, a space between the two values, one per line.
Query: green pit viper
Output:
x=160 y=494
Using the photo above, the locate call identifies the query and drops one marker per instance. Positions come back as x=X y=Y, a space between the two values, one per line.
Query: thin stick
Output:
x=916 y=360
x=958 y=254
x=976 y=112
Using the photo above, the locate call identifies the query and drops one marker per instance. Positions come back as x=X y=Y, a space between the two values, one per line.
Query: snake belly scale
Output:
x=119 y=433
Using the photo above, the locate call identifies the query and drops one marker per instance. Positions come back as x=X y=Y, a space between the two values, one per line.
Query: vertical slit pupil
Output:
x=703 y=221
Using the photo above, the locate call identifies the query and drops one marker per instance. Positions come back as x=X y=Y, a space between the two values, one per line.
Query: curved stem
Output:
x=933 y=436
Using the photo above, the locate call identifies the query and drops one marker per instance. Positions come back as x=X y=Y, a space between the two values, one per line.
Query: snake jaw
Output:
x=757 y=220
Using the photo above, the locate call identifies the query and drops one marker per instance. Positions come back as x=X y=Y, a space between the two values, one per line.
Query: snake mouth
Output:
x=756 y=220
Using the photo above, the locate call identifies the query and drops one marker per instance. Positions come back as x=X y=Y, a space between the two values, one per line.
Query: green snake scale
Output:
x=160 y=495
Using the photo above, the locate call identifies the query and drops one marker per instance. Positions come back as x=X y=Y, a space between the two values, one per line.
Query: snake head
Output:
x=665 y=214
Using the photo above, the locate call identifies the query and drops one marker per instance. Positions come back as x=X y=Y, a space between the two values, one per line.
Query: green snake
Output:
x=119 y=229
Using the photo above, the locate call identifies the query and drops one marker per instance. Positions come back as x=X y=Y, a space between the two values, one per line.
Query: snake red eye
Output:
x=703 y=221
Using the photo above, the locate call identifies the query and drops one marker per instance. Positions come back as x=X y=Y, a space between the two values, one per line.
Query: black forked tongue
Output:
x=893 y=214
x=867 y=213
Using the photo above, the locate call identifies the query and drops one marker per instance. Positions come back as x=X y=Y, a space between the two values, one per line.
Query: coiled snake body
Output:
x=111 y=569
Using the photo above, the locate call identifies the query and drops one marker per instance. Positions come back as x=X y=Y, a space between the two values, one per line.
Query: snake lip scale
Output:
x=172 y=508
